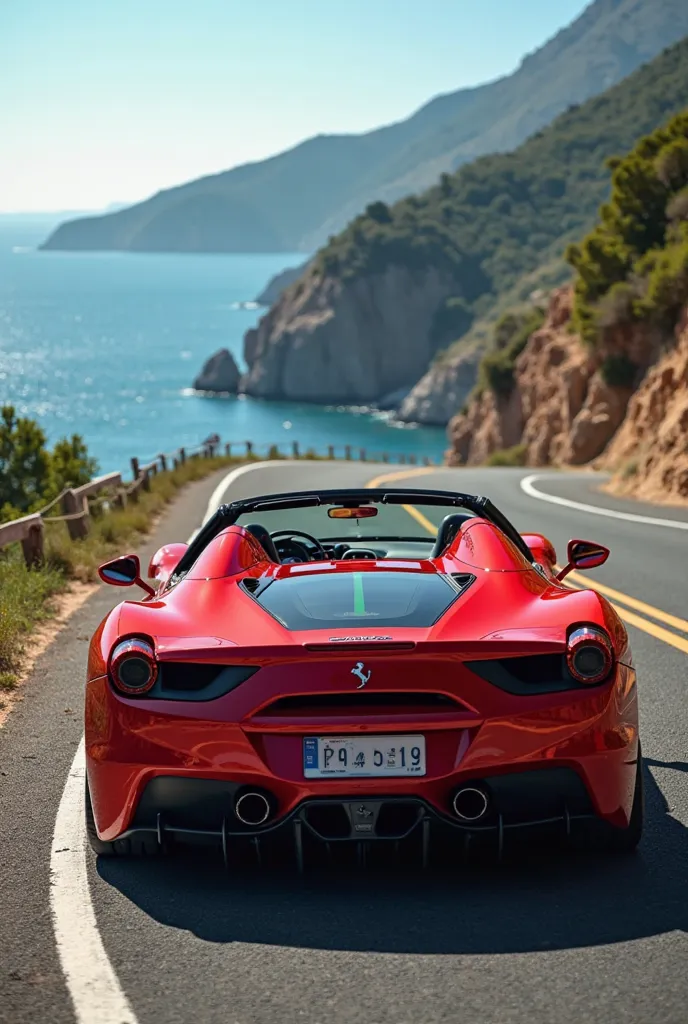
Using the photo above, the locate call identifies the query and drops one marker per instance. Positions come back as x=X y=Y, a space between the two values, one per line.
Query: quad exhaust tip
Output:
x=253 y=808
x=470 y=803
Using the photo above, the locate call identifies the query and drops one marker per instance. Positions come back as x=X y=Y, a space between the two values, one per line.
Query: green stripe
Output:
x=359 y=602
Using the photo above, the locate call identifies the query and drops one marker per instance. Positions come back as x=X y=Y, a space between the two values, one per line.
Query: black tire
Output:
x=145 y=845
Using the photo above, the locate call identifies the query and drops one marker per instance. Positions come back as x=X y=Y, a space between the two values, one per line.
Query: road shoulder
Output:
x=37 y=746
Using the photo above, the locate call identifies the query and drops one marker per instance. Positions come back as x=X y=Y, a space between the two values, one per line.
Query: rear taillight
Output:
x=133 y=667
x=589 y=654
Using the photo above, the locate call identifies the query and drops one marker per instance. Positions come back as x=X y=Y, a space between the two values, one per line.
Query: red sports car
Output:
x=316 y=672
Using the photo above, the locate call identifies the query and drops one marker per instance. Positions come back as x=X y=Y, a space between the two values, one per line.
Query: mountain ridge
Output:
x=296 y=199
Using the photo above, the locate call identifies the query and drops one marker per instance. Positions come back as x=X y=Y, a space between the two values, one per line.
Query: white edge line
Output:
x=93 y=986
x=229 y=479
x=527 y=485
x=96 y=994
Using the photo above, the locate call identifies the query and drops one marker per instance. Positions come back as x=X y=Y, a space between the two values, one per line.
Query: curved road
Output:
x=560 y=940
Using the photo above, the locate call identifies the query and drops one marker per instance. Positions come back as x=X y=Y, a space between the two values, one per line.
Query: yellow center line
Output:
x=388 y=478
x=649 y=627
x=645 y=625
x=632 y=602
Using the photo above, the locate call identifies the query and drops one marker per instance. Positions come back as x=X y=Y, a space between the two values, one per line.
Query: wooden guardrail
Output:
x=29 y=531
x=77 y=503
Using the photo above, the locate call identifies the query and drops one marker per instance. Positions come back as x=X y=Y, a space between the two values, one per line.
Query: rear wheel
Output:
x=135 y=846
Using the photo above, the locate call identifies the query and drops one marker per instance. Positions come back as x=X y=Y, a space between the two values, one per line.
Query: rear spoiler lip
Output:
x=225 y=652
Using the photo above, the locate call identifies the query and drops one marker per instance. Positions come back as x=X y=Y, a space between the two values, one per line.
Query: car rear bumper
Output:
x=175 y=809
x=176 y=775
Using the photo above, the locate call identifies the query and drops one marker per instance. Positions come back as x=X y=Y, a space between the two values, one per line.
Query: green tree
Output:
x=31 y=475
x=70 y=464
x=634 y=263
x=24 y=463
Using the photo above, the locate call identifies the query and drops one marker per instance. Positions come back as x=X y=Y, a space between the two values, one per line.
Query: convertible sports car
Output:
x=330 y=673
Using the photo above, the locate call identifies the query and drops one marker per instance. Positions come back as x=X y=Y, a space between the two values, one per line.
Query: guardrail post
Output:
x=32 y=545
x=412 y=460
x=330 y=451
x=163 y=461
x=347 y=452
x=119 y=500
x=72 y=504
x=145 y=480
x=362 y=454
x=249 y=447
x=182 y=456
x=135 y=467
x=295 y=449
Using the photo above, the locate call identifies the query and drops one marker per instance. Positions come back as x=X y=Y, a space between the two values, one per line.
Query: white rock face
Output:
x=327 y=340
x=441 y=392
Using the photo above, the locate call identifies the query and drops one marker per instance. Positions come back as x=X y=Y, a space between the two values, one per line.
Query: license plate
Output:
x=326 y=757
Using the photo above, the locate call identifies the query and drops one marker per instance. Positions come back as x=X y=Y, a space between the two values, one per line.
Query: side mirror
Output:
x=124 y=572
x=165 y=560
x=583 y=554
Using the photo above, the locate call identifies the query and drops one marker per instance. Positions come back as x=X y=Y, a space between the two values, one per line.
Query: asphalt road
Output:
x=559 y=940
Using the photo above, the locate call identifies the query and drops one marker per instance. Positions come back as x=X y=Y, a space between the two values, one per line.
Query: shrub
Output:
x=616 y=307
x=618 y=371
x=510 y=337
x=667 y=285
x=517 y=455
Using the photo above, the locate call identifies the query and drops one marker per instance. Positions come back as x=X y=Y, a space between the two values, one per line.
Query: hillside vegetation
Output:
x=633 y=266
x=297 y=198
x=503 y=216
x=605 y=377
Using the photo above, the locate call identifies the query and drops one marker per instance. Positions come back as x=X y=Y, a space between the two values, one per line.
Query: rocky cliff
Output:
x=355 y=341
x=562 y=411
x=441 y=391
x=276 y=285
x=649 y=453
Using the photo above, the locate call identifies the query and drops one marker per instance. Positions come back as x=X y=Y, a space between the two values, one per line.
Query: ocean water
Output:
x=107 y=345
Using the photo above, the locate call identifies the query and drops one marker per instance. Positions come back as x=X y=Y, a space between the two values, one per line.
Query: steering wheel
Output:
x=291 y=534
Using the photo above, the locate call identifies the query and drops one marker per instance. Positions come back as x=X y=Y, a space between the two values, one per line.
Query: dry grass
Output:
x=25 y=594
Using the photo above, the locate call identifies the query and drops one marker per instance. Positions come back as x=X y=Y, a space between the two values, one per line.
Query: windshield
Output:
x=393 y=522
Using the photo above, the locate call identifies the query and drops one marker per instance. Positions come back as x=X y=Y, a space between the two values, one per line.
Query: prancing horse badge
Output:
x=358 y=671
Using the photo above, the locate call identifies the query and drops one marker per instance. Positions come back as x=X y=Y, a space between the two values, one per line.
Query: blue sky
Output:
x=110 y=100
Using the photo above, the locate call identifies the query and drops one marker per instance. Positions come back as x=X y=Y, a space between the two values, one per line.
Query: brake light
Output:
x=589 y=654
x=133 y=667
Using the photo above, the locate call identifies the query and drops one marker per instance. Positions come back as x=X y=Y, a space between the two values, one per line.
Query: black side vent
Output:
x=251 y=583
x=531 y=674
x=463 y=579
x=186 y=680
x=180 y=675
